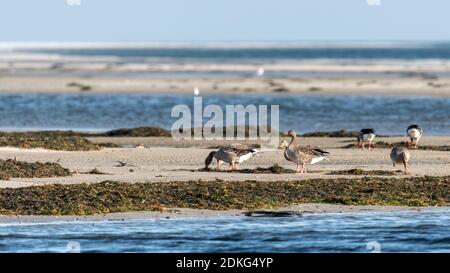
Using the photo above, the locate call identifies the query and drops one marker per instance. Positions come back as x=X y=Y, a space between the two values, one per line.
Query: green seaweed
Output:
x=66 y=143
x=363 y=172
x=138 y=132
x=275 y=169
x=386 y=145
x=339 y=133
x=110 y=196
x=13 y=168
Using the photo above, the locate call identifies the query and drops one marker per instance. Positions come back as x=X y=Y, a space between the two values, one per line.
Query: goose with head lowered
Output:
x=414 y=132
x=400 y=155
x=301 y=154
x=366 y=135
x=233 y=154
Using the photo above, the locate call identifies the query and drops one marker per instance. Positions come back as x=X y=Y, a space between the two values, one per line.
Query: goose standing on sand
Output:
x=400 y=155
x=366 y=135
x=233 y=154
x=301 y=154
x=414 y=132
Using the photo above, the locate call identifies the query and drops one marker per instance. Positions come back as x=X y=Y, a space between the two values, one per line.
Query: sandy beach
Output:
x=162 y=159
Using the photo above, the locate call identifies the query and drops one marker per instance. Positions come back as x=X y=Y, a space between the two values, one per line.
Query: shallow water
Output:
x=410 y=231
x=97 y=112
x=262 y=54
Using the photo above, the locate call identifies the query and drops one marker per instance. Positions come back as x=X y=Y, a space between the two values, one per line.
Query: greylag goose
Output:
x=366 y=135
x=414 y=132
x=233 y=154
x=301 y=154
x=400 y=155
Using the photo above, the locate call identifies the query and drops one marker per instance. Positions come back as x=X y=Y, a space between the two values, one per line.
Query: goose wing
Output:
x=237 y=149
x=309 y=150
x=415 y=126
x=366 y=131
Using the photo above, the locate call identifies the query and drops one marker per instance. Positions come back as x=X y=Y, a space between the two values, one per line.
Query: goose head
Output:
x=283 y=145
x=209 y=159
x=290 y=133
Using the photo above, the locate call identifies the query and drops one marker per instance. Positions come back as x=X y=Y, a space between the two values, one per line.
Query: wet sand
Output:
x=175 y=213
x=90 y=75
x=230 y=85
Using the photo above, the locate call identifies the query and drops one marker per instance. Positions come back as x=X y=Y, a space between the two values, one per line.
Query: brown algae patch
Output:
x=12 y=168
x=364 y=172
x=52 y=142
x=275 y=169
x=137 y=132
x=340 y=133
x=110 y=196
x=386 y=145
x=96 y=171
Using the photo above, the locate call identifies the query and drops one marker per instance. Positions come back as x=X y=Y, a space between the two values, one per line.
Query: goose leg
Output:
x=370 y=145
x=393 y=165
x=406 y=167
x=231 y=166
x=219 y=162
x=304 y=168
x=362 y=145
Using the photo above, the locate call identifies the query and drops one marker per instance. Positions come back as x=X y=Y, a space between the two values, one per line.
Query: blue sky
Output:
x=224 y=20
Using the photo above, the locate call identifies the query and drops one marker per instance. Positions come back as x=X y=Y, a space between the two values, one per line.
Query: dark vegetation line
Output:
x=110 y=196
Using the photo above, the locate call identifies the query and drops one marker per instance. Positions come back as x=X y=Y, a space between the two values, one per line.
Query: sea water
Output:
x=405 y=231
x=100 y=112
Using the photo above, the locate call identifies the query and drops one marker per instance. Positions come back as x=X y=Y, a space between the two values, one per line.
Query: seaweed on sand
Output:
x=138 y=132
x=110 y=196
x=66 y=143
x=340 y=133
x=82 y=87
x=12 y=168
x=275 y=169
x=363 y=172
x=129 y=132
x=386 y=145
x=95 y=171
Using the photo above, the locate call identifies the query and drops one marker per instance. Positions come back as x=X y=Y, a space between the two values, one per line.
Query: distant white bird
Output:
x=260 y=72
x=196 y=91
x=414 y=132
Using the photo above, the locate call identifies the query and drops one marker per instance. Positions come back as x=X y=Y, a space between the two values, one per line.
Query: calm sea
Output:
x=267 y=53
x=425 y=231
x=99 y=112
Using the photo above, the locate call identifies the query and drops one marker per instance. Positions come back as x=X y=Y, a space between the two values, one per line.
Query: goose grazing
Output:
x=400 y=155
x=414 y=132
x=301 y=154
x=233 y=154
x=366 y=135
